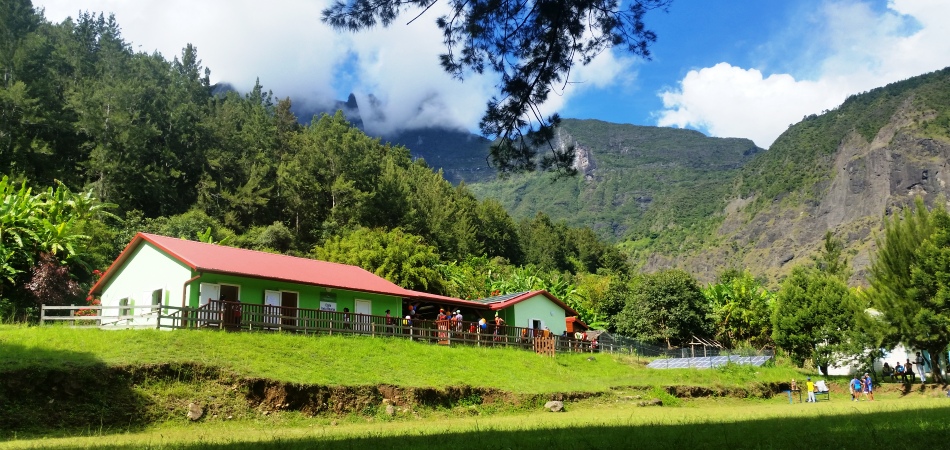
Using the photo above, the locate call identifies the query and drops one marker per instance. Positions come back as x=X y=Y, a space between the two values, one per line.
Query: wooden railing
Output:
x=235 y=316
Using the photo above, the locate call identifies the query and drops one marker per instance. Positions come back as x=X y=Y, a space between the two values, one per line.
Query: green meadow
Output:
x=610 y=419
x=352 y=360
x=772 y=424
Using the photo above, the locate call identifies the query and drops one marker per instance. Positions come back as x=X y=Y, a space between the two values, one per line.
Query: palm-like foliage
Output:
x=740 y=310
x=47 y=223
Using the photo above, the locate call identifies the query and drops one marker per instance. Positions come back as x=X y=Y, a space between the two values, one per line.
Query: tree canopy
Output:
x=532 y=46
x=910 y=275
x=815 y=313
x=666 y=306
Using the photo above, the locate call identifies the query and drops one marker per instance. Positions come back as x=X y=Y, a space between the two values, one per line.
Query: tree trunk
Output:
x=934 y=365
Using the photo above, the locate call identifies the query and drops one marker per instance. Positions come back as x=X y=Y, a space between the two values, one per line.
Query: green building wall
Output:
x=252 y=291
x=540 y=308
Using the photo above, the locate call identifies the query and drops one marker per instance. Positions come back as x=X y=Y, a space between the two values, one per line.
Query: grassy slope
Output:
x=332 y=360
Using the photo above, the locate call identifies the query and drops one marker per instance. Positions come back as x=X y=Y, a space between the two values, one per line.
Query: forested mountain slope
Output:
x=634 y=183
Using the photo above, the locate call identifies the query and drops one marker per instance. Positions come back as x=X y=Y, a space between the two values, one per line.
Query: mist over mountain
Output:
x=460 y=154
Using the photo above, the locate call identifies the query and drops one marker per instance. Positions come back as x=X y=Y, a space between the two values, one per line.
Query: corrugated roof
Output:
x=205 y=258
x=503 y=301
x=499 y=298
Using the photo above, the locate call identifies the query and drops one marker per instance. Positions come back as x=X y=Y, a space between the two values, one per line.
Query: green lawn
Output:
x=348 y=360
x=890 y=422
x=79 y=388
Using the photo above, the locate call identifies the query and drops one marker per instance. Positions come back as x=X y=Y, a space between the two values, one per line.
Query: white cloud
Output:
x=730 y=101
x=862 y=49
x=284 y=43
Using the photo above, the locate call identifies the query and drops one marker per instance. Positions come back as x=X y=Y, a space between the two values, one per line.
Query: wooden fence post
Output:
x=43 y=314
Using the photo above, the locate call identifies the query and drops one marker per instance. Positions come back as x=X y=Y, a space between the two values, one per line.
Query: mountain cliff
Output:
x=676 y=198
x=842 y=171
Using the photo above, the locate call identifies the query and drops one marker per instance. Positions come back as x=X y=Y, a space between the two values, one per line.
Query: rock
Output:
x=554 y=406
x=195 y=412
x=390 y=410
x=654 y=402
x=591 y=358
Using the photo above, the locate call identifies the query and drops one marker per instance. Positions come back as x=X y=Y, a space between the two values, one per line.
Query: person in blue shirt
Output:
x=855 y=387
x=868 y=387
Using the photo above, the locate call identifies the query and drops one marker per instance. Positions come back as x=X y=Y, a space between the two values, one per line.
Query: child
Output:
x=810 y=387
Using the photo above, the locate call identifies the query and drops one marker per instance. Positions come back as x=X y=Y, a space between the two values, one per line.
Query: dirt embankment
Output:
x=101 y=396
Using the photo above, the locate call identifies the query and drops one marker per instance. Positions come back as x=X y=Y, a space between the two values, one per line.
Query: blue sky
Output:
x=729 y=68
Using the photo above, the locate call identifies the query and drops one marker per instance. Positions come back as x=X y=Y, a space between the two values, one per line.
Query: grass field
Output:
x=886 y=423
x=353 y=360
x=149 y=413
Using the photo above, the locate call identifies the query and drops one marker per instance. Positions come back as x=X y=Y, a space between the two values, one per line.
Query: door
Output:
x=289 y=301
x=536 y=327
x=364 y=309
x=206 y=292
x=272 y=307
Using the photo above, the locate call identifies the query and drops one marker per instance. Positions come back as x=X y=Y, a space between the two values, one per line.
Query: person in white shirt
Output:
x=921 y=364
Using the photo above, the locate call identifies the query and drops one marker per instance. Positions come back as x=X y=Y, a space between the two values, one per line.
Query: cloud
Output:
x=285 y=45
x=730 y=101
x=860 y=49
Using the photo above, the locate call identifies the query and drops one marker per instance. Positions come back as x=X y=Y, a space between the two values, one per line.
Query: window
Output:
x=124 y=310
x=157 y=299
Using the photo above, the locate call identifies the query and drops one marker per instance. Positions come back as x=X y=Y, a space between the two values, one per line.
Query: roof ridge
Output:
x=258 y=251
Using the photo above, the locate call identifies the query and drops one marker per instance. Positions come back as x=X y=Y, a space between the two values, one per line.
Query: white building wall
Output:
x=891 y=357
x=145 y=271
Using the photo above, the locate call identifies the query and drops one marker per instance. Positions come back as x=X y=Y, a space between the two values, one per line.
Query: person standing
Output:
x=499 y=324
x=909 y=371
x=810 y=387
x=921 y=367
x=855 y=387
x=868 y=387
x=389 y=322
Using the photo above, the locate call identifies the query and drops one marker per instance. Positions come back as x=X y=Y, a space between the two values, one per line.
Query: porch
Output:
x=235 y=316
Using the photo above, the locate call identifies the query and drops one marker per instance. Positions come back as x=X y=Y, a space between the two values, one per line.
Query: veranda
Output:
x=235 y=317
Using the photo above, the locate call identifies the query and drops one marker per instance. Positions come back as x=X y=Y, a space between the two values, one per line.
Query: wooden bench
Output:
x=826 y=394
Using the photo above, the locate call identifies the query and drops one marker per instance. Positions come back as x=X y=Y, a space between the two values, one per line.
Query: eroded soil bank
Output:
x=108 y=397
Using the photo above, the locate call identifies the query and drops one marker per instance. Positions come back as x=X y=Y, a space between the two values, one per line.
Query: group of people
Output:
x=861 y=385
x=906 y=370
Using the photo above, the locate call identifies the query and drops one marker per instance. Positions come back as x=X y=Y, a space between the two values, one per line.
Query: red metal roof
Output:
x=204 y=258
